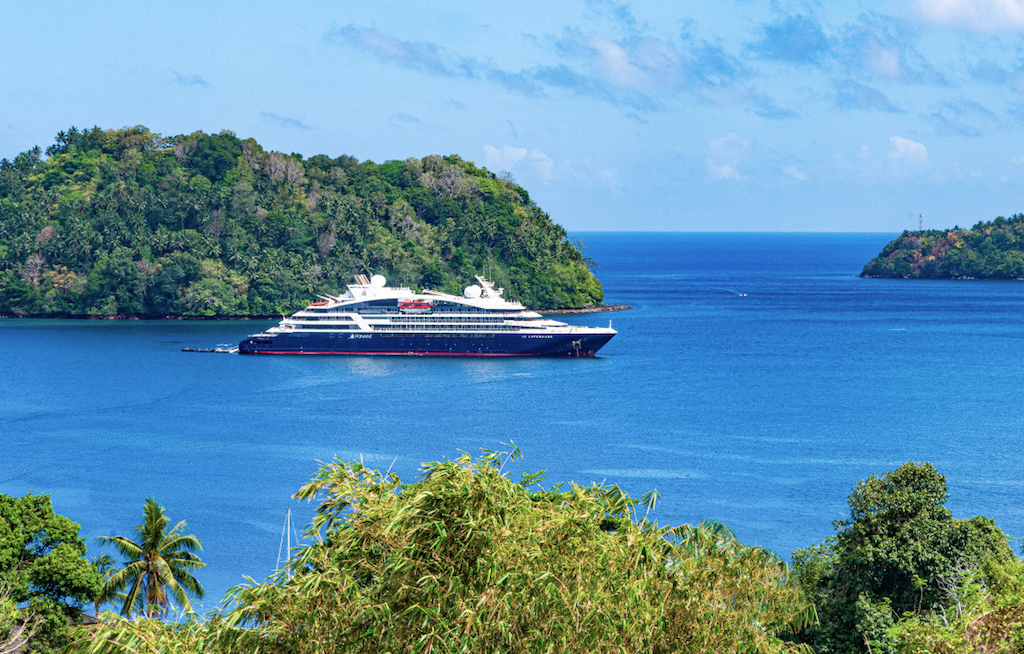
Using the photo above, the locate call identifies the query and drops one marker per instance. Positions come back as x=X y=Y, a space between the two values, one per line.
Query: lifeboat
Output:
x=319 y=303
x=415 y=306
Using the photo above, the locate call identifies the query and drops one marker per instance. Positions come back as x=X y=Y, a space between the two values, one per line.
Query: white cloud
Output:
x=504 y=158
x=723 y=171
x=511 y=158
x=724 y=156
x=542 y=164
x=615 y=65
x=979 y=15
x=908 y=155
x=795 y=173
x=536 y=165
x=886 y=62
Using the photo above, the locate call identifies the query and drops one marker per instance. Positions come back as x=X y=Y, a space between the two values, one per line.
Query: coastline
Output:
x=599 y=308
x=546 y=312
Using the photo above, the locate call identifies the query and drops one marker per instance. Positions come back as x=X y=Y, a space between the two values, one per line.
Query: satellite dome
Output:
x=473 y=291
x=379 y=281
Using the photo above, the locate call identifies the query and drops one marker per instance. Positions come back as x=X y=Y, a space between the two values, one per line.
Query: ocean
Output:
x=754 y=381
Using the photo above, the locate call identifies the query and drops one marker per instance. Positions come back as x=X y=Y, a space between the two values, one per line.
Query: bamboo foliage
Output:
x=147 y=636
x=467 y=560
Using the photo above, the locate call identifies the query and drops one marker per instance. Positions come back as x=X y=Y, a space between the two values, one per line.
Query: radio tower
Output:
x=920 y=221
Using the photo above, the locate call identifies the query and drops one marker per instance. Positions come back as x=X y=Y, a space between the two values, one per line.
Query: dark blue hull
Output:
x=425 y=344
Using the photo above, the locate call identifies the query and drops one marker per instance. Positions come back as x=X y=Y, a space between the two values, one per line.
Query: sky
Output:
x=731 y=115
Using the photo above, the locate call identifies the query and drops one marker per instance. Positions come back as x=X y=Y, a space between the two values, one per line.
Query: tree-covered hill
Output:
x=989 y=250
x=130 y=223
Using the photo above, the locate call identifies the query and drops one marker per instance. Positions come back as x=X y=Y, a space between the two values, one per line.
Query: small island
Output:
x=988 y=250
x=131 y=224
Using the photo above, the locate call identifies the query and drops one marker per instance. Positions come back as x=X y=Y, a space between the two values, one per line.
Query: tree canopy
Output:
x=466 y=559
x=900 y=552
x=989 y=250
x=131 y=223
x=158 y=565
x=44 y=576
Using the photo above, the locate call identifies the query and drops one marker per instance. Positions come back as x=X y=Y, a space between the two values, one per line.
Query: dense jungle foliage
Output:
x=44 y=577
x=130 y=223
x=902 y=564
x=467 y=560
x=992 y=250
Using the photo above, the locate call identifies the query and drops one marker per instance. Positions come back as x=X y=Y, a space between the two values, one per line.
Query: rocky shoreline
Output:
x=598 y=308
x=601 y=308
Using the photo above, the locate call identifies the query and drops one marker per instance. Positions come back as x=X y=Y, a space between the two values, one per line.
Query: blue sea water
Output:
x=755 y=380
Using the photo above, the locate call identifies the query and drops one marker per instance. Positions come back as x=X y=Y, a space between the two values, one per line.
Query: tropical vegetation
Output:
x=989 y=250
x=900 y=556
x=466 y=559
x=988 y=617
x=106 y=566
x=157 y=566
x=130 y=223
x=44 y=576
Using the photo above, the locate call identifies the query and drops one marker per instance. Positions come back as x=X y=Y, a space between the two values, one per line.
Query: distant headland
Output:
x=988 y=250
x=131 y=224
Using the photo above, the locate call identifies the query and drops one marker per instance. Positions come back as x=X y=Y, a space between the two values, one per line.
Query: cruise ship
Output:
x=372 y=318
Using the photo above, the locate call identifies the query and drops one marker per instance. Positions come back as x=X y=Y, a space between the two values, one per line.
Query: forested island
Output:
x=467 y=560
x=989 y=250
x=129 y=223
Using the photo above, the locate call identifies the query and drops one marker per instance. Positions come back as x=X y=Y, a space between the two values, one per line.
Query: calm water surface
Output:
x=755 y=380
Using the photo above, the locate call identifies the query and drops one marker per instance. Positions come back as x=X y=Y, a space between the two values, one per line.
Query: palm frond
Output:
x=156 y=562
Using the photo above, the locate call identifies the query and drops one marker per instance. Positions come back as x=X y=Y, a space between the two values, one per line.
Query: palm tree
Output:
x=107 y=567
x=157 y=564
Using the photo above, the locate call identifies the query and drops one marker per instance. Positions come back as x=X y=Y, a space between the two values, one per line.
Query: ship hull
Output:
x=426 y=344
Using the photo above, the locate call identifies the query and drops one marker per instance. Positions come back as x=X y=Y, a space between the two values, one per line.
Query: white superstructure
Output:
x=431 y=322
